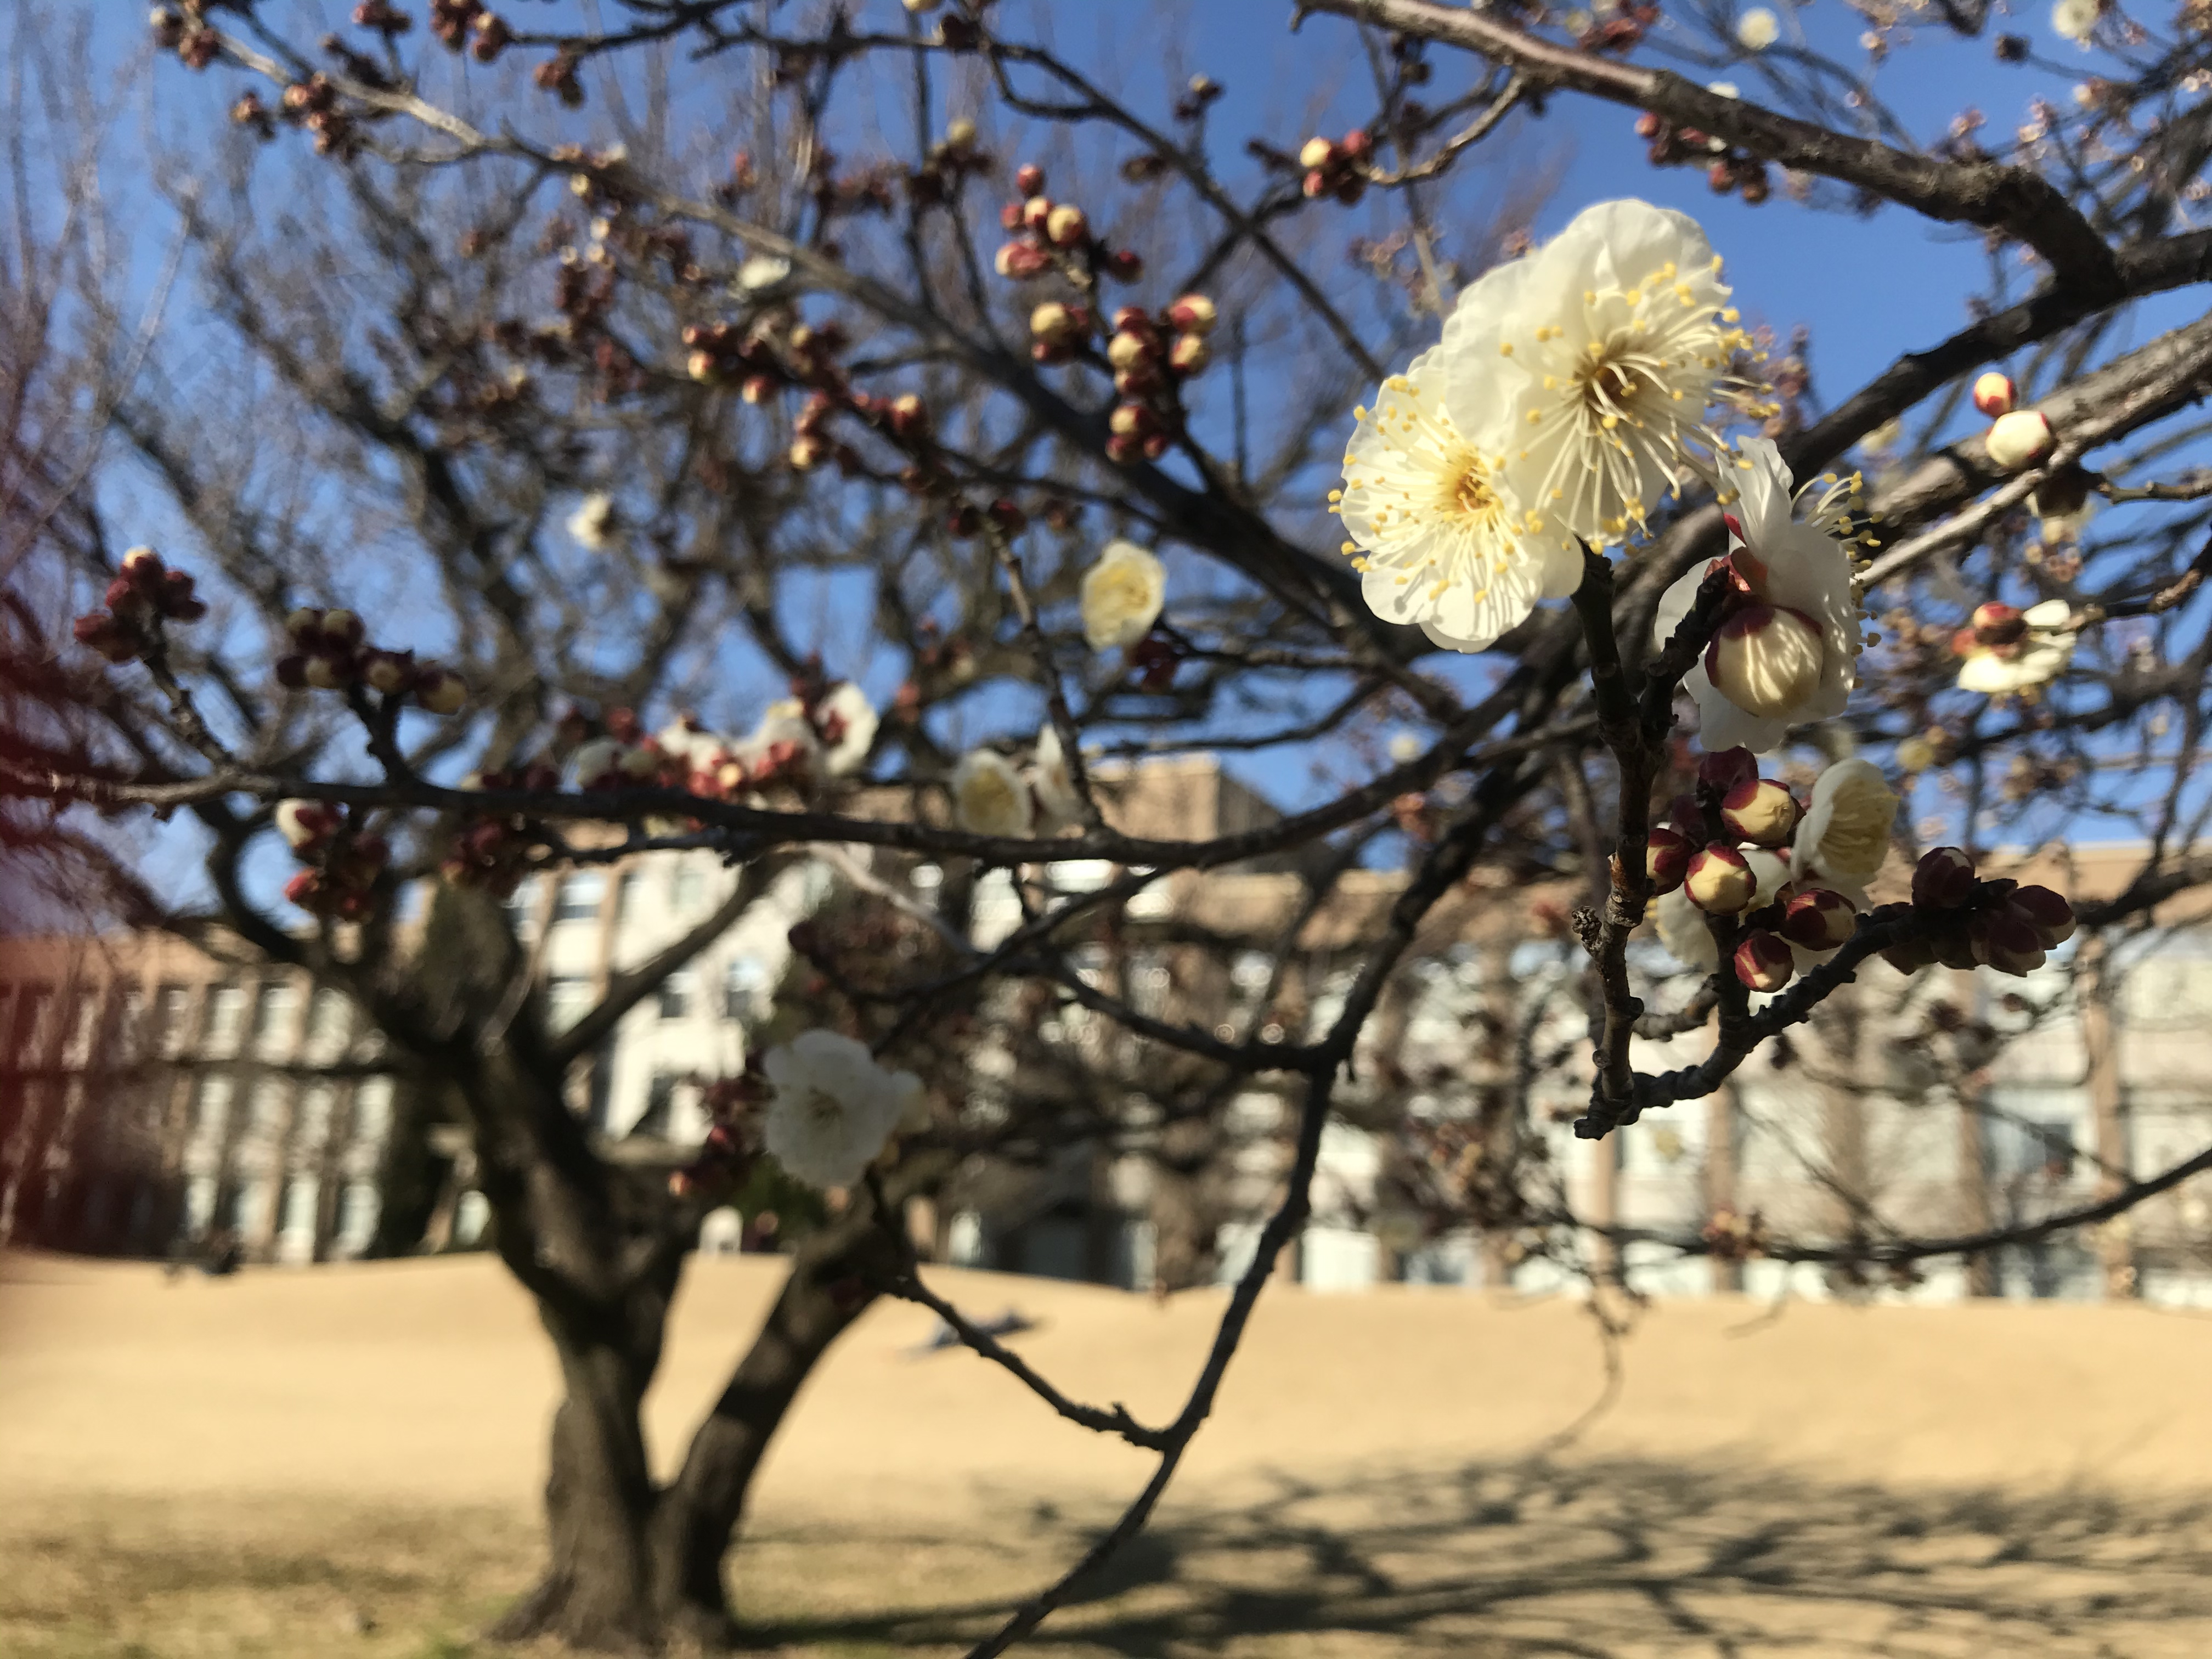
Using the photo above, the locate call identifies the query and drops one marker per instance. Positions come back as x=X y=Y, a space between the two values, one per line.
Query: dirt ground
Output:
x=343 y=1462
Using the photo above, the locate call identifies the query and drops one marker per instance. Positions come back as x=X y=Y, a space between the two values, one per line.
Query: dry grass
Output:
x=342 y=1463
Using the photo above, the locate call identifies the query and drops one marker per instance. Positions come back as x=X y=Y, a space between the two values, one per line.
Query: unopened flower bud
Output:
x=1719 y=879
x=2019 y=440
x=1008 y=516
x=1029 y=178
x=141 y=566
x=1052 y=323
x=1998 y=624
x=386 y=671
x=960 y=133
x=1994 y=395
x=1761 y=811
x=1126 y=349
x=1666 y=858
x=1767 y=661
x=1724 y=768
x=304 y=823
x=2005 y=941
x=1911 y=957
x=441 y=691
x=806 y=453
x=1943 y=879
x=305 y=887
x=343 y=628
x=1188 y=354
x=2046 y=912
x=1131 y=421
x=1316 y=153
x=1193 y=313
x=1066 y=227
x=327 y=673
x=1018 y=261
x=1125 y=264
x=1036 y=212
x=1763 y=961
x=1819 y=919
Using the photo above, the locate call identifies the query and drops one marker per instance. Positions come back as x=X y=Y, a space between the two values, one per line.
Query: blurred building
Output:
x=153 y=1098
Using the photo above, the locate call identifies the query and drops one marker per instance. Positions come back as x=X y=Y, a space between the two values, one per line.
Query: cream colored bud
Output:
x=1767 y=661
x=2019 y=439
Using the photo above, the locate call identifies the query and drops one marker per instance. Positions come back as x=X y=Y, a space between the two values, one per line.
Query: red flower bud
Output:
x=1998 y=624
x=121 y=594
x=1819 y=919
x=1763 y=962
x=1719 y=879
x=1911 y=957
x=1124 y=265
x=143 y=567
x=1018 y=261
x=1036 y=212
x=1724 y=770
x=1029 y=178
x=305 y=888
x=2005 y=941
x=1943 y=879
x=1993 y=394
x=1008 y=516
x=1193 y=313
x=1188 y=354
x=2047 y=912
x=1761 y=811
x=1666 y=858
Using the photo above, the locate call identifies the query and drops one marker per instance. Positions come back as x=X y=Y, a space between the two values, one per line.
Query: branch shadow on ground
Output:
x=1615 y=1559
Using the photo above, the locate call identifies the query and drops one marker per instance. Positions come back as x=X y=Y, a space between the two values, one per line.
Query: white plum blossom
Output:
x=1790 y=652
x=831 y=1107
x=1756 y=30
x=1683 y=929
x=596 y=760
x=2040 y=656
x=592 y=523
x=686 y=740
x=2076 y=20
x=1440 y=536
x=847 y=722
x=1123 y=594
x=1844 y=838
x=990 y=798
x=1053 y=783
x=1622 y=340
x=761 y=271
x=783 y=721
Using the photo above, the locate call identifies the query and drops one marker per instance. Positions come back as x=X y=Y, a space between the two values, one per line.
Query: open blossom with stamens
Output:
x=1844 y=837
x=1441 y=536
x=831 y=1108
x=1624 y=341
x=2008 y=668
x=989 y=798
x=1789 y=651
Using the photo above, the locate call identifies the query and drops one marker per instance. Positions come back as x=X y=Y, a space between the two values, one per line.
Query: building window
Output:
x=226 y=1020
x=744 y=988
x=581 y=897
x=522 y=903
x=211 y=1107
x=272 y=1017
x=567 y=997
x=676 y=994
x=687 y=889
x=326 y=1025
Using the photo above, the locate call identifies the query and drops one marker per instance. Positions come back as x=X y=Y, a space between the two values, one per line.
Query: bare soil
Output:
x=344 y=1461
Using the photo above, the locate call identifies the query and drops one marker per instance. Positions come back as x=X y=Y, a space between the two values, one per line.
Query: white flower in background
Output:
x=1757 y=29
x=686 y=740
x=1440 y=536
x=831 y=1108
x=1682 y=930
x=592 y=523
x=847 y=723
x=1624 y=338
x=2076 y=20
x=1844 y=836
x=596 y=760
x=1121 y=595
x=1790 y=653
x=1770 y=873
x=2039 y=656
x=1058 y=805
x=783 y=721
x=989 y=798
x=763 y=271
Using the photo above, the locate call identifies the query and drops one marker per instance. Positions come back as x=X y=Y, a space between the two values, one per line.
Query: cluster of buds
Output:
x=183 y=30
x=2018 y=438
x=339 y=868
x=145 y=592
x=733 y=1106
x=1619 y=28
x=1151 y=357
x=955 y=157
x=1060 y=331
x=469 y=24
x=1336 y=167
x=330 y=652
x=557 y=75
x=1726 y=170
x=313 y=104
x=1049 y=234
x=492 y=854
x=384 y=17
x=1743 y=872
x=1984 y=924
x=1732 y=1237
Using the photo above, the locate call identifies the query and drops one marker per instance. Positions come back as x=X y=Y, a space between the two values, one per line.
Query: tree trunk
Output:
x=634 y=1567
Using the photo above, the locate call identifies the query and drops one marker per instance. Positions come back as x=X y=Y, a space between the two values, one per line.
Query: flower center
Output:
x=821 y=1108
x=1466 y=492
x=1605 y=386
